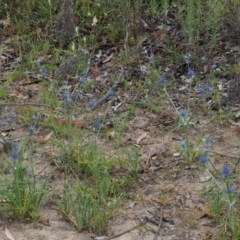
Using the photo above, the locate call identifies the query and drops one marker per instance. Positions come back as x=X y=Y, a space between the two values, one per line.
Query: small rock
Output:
x=205 y=178
x=131 y=205
x=101 y=238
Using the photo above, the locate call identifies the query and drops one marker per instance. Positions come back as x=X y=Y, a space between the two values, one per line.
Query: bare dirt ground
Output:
x=166 y=187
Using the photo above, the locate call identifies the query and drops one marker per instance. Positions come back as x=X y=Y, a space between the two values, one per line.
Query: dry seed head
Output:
x=7 y=21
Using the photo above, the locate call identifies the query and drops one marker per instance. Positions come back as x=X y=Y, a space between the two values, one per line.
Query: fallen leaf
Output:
x=8 y=234
x=145 y=161
x=237 y=115
x=94 y=22
x=205 y=178
x=220 y=87
x=164 y=117
x=101 y=238
x=94 y=72
x=141 y=137
x=8 y=40
x=45 y=139
x=233 y=123
x=144 y=24
x=176 y=154
x=161 y=200
x=109 y=232
x=17 y=95
x=48 y=136
x=76 y=20
x=168 y=188
x=32 y=80
x=108 y=58
x=111 y=134
x=131 y=205
x=201 y=213
x=159 y=32
x=221 y=46
x=153 y=149
x=53 y=151
x=205 y=68
x=74 y=123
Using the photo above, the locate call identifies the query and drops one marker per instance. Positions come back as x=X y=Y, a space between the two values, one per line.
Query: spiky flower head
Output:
x=97 y=125
x=186 y=57
x=162 y=80
x=43 y=73
x=203 y=159
x=226 y=170
x=9 y=120
x=14 y=145
x=182 y=144
x=31 y=129
x=190 y=73
x=214 y=66
x=201 y=90
x=183 y=113
x=203 y=59
x=209 y=140
x=229 y=190
x=68 y=99
x=92 y=103
x=14 y=155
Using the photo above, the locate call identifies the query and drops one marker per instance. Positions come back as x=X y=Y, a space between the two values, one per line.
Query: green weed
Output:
x=22 y=194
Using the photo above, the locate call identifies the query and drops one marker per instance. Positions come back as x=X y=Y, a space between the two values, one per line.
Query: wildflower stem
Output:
x=219 y=186
x=186 y=139
x=165 y=90
x=190 y=89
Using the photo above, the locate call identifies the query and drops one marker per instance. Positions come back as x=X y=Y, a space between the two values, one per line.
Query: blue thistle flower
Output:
x=68 y=99
x=8 y=120
x=186 y=57
x=205 y=150
x=229 y=190
x=31 y=129
x=97 y=125
x=84 y=72
x=214 y=66
x=67 y=103
x=151 y=58
x=43 y=73
x=162 y=80
x=81 y=80
x=203 y=59
x=203 y=159
x=14 y=145
x=34 y=117
x=190 y=73
x=182 y=144
x=210 y=90
x=209 y=140
x=183 y=113
x=69 y=96
x=91 y=103
x=201 y=90
x=14 y=155
x=226 y=170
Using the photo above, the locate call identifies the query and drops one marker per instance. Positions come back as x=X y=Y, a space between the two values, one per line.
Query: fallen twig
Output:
x=126 y=37
x=159 y=225
x=26 y=104
x=127 y=231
